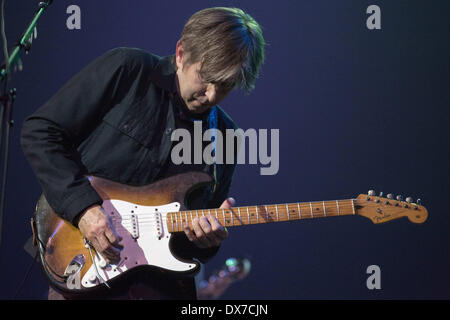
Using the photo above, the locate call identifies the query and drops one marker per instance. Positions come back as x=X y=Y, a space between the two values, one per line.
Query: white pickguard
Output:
x=145 y=241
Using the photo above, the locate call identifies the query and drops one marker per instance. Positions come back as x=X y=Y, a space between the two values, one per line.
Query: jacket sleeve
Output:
x=50 y=136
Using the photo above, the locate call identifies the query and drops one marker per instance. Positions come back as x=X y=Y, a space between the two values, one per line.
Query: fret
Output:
x=257 y=215
x=174 y=223
x=178 y=221
x=182 y=220
x=240 y=218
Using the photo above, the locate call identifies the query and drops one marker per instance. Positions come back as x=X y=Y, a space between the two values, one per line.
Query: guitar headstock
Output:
x=381 y=209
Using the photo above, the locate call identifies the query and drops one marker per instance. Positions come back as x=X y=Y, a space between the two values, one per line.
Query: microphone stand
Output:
x=7 y=100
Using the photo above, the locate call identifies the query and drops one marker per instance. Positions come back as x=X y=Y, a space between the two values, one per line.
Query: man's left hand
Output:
x=207 y=231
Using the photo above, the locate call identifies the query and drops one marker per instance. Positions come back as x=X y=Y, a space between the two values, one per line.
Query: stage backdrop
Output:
x=360 y=98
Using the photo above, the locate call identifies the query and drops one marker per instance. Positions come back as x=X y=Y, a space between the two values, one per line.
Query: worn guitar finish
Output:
x=63 y=249
x=147 y=216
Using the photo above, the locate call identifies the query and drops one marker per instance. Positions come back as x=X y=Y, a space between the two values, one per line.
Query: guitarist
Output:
x=114 y=119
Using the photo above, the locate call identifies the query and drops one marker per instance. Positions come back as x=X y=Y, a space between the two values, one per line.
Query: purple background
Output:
x=357 y=109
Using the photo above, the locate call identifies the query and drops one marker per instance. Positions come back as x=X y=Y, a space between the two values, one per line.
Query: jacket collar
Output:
x=163 y=74
x=164 y=77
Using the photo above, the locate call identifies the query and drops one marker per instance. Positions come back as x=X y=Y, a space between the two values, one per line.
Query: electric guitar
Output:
x=147 y=216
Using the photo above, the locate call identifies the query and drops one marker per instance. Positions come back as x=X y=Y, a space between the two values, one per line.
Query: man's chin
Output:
x=196 y=107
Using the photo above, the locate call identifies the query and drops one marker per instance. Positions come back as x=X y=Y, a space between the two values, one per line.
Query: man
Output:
x=114 y=119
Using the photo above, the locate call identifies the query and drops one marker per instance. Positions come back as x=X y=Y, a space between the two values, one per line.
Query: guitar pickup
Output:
x=134 y=226
x=159 y=225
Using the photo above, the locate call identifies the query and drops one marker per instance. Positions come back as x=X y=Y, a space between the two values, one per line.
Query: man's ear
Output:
x=179 y=53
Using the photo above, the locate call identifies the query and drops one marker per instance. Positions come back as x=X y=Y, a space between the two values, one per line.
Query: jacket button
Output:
x=126 y=127
x=168 y=130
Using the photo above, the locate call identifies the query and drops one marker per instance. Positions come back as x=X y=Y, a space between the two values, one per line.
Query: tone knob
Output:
x=102 y=263
x=371 y=193
x=399 y=198
x=92 y=278
x=390 y=196
x=409 y=199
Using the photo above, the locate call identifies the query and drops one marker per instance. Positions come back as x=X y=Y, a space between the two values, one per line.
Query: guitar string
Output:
x=283 y=216
x=174 y=218
x=177 y=218
x=181 y=222
x=234 y=210
x=256 y=208
x=177 y=224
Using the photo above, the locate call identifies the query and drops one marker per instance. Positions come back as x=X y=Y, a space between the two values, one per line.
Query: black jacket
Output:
x=113 y=119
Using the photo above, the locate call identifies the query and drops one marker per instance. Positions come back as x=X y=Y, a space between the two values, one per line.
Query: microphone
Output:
x=45 y=4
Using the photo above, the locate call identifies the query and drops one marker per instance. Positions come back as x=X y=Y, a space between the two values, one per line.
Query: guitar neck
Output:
x=242 y=216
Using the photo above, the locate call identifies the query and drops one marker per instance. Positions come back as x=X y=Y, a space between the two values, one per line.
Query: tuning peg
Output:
x=409 y=199
x=399 y=198
x=371 y=193
x=390 y=196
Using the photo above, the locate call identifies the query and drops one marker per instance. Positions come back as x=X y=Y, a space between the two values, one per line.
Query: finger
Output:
x=189 y=234
x=111 y=233
x=201 y=239
x=113 y=238
x=228 y=203
x=211 y=237
x=100 y=249
x=107 y=249
x=217 y=228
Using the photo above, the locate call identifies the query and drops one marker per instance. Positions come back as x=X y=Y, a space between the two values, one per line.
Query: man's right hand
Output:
x=97 y=227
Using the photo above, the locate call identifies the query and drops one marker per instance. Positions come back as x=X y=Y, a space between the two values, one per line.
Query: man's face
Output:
x=196 y=94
